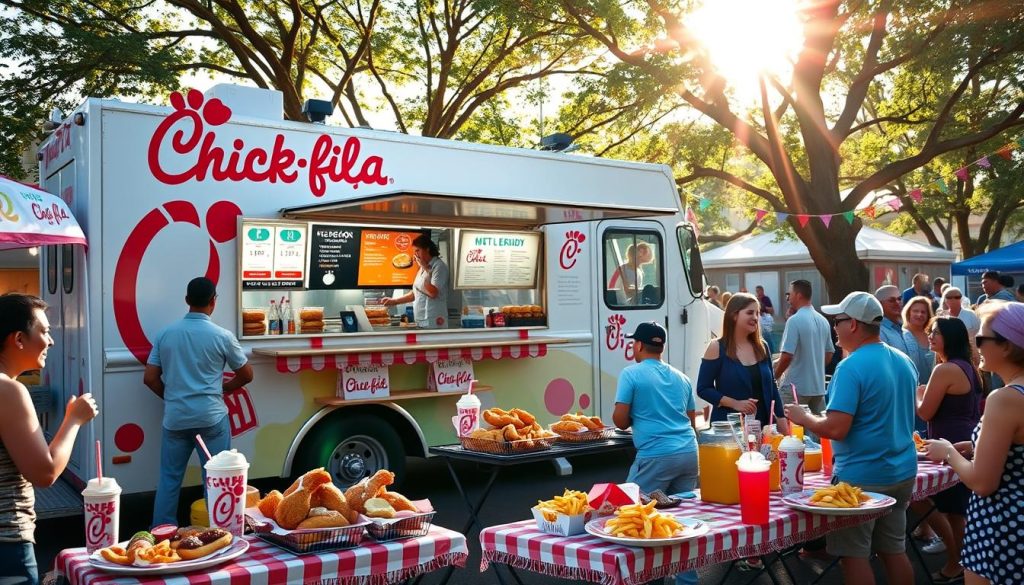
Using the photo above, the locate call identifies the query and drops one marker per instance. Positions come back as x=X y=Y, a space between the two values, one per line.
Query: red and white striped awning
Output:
x=320 y=362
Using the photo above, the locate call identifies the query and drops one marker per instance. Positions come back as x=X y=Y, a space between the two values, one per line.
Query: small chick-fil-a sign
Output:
x=371 y=381
x=451 y=375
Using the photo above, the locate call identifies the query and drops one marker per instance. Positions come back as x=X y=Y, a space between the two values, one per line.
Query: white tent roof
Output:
x=872 y=244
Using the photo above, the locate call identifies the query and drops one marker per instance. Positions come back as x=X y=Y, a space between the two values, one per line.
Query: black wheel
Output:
x=351 y=448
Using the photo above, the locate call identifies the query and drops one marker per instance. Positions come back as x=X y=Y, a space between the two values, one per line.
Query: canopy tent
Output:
x=31 y=217
x=1006 y=259
x=872 y=244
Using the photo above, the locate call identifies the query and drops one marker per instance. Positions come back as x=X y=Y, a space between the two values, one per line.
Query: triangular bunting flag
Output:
x=895 y=204
x=825 y=219
x=848 y=216
x=983 y=162
x=1006 y=151
x=781 y=217
x=941 y=183
x=915 y=194
x=870 y=211
x=692 y=218
x=962 y=174
x=803 y=219
x=759 y=215
x=704 y=203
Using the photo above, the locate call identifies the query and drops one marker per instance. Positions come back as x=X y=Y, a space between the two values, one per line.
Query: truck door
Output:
x=65 y=293
x=631 y=290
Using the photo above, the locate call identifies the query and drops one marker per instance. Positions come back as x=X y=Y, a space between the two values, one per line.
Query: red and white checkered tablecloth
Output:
x=371 y=563
x=588 y=558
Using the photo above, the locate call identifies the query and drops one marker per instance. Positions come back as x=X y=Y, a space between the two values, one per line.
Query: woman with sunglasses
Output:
x=993 y=549
x=951 y=404
x=952 y=305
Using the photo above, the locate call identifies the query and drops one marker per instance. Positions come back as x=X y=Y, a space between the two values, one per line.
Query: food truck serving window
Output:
x=633 y=274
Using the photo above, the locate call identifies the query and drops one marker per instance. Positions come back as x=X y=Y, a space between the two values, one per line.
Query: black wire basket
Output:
x=407 y=527
x=310 y=541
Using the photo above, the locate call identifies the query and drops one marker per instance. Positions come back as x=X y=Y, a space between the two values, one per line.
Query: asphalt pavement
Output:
x=517 y=489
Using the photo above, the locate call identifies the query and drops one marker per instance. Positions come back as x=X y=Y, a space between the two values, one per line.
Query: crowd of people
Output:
x=922 y=359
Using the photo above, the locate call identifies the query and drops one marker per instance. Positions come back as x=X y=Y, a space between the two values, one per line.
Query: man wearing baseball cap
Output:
x=870 y=420
x=657 y=401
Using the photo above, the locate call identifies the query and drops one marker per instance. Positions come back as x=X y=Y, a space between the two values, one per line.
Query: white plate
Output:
x=802 y=501
x=237 y=548
x=695 y=528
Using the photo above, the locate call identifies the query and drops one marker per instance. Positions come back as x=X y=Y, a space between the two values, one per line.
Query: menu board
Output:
x=273 y=256
x=497 y=260
x=333 y=257
x=386 y=260
x=347 y=257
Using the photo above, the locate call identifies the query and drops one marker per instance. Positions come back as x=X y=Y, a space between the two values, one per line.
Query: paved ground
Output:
x=517 y=489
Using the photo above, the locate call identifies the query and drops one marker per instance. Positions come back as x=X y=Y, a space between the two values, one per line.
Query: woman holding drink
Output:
x=736 y=372
x=25 y=458
x=993 y=551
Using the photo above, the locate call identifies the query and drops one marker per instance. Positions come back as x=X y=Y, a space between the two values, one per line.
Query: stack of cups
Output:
x=226 y=476
x=753 y=476
x=791 y=465
x=102 y=498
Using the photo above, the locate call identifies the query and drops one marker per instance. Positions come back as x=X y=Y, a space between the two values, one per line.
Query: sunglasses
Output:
x=838 y=321
x=980 y=340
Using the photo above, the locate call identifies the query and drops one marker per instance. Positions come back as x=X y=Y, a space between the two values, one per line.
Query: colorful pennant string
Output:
x=895 y=204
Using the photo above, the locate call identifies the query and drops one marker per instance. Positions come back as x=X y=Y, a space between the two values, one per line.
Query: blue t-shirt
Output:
x=659 y=397
x=807 y=339
x=876 y=384
x=192 y=355
x=892 y=335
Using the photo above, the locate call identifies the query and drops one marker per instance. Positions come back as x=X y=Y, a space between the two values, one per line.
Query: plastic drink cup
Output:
x=102 y=502
x=812 y=460
x=226 y=474
x=753 y=468
x=468 y=418
x=753 y=427
x=826 y=457
x=772 y=437
x=791 y=465
x=797 y=431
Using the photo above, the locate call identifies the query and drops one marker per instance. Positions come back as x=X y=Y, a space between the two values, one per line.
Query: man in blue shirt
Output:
x=870 y=420
x=657 y=401
x=892 y=317
x=920 y=288
x=186 y=369
x=806 y=349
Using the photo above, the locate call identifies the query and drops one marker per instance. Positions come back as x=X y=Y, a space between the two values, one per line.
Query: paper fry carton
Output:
x=608 y=497
x=563 y=525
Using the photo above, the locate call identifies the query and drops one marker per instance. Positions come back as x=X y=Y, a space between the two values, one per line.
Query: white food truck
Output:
x=553 y=259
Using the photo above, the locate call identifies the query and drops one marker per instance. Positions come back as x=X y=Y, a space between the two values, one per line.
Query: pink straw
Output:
x=771 y=414
x=99 y=461
x=202 y=446
x=795 y=399
x=471 y=382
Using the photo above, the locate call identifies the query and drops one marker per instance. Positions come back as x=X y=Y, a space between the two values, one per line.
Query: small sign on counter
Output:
x=453 y=375
x=370 y=381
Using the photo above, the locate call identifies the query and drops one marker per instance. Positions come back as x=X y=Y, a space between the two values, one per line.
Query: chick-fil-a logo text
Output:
x=228 y=500
x=99 y=524
x=571 y=248
x=476 y=256
x=614 y=337
x=188 y=131
x=51 y=215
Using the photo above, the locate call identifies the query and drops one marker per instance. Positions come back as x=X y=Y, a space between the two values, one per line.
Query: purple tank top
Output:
x=958 y=414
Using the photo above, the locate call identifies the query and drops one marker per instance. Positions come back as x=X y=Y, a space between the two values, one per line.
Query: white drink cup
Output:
x=226 y=476
x=791 y=465
x=468 y=418
x=102 y=513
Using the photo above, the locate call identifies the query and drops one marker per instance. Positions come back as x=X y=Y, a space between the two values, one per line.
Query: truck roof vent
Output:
x=316 y=111
x=252 y=102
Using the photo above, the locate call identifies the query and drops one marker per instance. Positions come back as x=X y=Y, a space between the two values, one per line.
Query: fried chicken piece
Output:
x=527 y=418
x=355 y=495
x=497 y=417
x=330 y=497
x=568 y=426
x=268 y=505
x=397 y=501
x=293 y=508
x=510 y=433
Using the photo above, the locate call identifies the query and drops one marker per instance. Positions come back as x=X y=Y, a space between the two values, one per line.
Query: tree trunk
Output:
x=834 y=251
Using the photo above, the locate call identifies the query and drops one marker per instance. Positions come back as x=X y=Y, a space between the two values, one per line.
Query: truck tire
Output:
x=351 y=448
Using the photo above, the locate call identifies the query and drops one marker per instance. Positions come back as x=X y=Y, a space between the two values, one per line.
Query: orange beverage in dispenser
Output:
x=812 y=460
x=719 y=478
x=797 y=431
x=826 y=457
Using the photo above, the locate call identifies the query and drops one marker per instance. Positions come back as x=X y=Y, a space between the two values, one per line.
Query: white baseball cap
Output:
x=859 y=305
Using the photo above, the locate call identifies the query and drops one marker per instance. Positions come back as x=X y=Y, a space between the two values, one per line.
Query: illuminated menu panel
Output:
x=489 y=260
x=273 y=256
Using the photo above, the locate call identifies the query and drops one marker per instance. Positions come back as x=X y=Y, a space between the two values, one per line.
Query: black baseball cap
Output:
x=649 y=334
x=200 y=292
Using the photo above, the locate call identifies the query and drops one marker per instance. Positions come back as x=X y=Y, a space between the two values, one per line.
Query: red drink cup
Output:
x=753 y=476
x=826 y=457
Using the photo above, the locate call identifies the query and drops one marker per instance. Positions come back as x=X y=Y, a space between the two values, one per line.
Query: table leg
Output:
x=474 y=511
x=913 y=545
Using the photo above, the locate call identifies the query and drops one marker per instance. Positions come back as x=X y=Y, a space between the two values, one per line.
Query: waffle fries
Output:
x=841 y=495
x=642 y=521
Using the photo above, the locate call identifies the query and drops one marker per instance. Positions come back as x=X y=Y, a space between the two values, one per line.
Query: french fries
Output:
x=919 y=443
x=159 y=553
x=841 y=495
x=642 y=521
x=570 y=503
